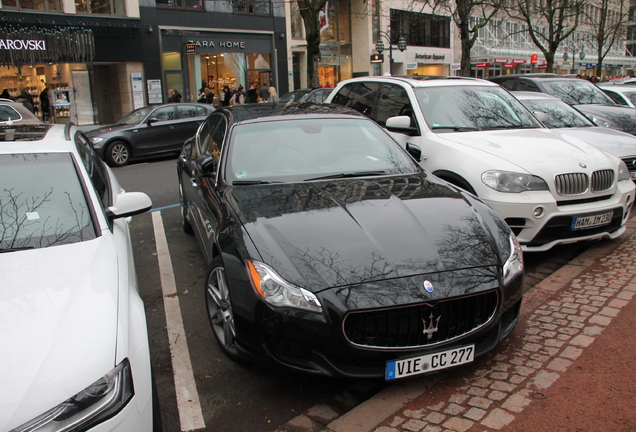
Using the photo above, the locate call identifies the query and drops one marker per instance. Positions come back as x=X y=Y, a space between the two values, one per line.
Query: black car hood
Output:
x=618 y=117
x=328 y=234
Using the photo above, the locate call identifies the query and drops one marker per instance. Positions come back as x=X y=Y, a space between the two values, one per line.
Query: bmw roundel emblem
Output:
x=582 y=165
x=428 y=286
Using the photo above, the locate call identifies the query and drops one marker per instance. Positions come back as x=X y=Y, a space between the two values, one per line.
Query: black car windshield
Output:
x=42 y=202
x=472 y=108
x=136 y=116
x=576 y=92
x=557 y=114
x=307 y=149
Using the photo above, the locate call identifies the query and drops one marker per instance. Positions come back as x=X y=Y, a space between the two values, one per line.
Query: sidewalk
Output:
x=568 y=366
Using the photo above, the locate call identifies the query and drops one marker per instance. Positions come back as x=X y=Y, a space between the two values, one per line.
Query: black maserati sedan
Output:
x=331 y=251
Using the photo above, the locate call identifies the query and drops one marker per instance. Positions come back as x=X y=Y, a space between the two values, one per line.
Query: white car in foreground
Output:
x=550 y=188
x=73 y=336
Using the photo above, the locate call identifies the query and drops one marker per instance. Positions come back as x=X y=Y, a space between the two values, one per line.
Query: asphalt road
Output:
x=231 y=397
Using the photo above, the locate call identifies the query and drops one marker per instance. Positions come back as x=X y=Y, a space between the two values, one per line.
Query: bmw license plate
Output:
x=591 y=221
x=430 y=362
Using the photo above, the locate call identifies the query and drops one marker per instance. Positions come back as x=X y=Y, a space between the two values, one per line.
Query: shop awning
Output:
x=31 y=45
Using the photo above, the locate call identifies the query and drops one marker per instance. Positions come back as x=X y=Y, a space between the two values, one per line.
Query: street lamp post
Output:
x=574 y=49
x=379 y=46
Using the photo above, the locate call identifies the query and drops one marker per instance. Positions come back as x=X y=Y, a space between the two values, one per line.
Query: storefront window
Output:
x=48 y=5
x=101 y=7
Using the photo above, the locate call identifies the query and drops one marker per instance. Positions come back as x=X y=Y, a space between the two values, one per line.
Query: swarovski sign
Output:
x=22 y=44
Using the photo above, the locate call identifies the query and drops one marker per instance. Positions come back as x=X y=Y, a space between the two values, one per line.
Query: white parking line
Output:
x=190 y=414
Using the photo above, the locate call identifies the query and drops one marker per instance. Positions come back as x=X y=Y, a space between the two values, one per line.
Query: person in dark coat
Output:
x=252 y=95
x=227 y=95
x=264 y=93
x=24 y=100
x=45 y=104
x=6 y=95
x=207 y=96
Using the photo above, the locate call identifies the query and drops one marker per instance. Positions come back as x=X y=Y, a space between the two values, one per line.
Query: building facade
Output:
x=104 y=58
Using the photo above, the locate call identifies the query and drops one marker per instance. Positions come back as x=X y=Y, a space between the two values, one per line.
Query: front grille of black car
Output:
x=578 y=183
x=421 y=325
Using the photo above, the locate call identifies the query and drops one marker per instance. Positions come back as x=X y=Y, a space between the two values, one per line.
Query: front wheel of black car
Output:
x=219 y=307
x=117 y=154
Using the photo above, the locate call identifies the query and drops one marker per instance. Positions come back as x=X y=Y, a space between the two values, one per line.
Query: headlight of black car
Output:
x=278 y=292
x=514 y=264
x=95 y=404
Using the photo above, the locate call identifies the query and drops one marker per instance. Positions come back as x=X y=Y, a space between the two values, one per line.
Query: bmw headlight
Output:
x=96 y=140
x=512 y=182
x=623 y=172
x=278 y=292
x=95 y=404
x=514 y=264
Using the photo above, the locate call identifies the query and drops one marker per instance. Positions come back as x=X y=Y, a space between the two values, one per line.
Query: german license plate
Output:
x=591 y=221
x=430 y=362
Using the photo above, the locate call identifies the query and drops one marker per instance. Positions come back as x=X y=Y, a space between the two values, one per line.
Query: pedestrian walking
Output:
x=264 y=93
x=6 y=95
x=174 y=96
x=45 y=103
x=227 y=96
x=238 y=98
x=206 y=97
x=252 y=95
x=273 y=97
x=25 y=100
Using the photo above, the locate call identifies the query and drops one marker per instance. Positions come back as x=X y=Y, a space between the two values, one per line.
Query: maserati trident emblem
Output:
x=428 y=286
x=431 y=327
x=582 y=165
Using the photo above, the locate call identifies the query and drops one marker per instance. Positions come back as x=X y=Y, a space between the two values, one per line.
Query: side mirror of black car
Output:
x=151 y=120
x=208 y=166
x=414 y=151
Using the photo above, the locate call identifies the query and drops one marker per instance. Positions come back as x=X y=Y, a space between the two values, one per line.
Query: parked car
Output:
x=622 y=94
x=318 y=95
x=332 y=252
x=73 y=330
x=15 y=112
x=153 y=130
x=556 y=114
x=476 y=135
x=580 y=93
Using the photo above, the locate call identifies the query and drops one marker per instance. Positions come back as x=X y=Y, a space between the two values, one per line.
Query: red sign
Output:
x=518 y=61
x=482 y=65
x=534 y=58
x=510 y=65
x=542 y=67
x=501 y=60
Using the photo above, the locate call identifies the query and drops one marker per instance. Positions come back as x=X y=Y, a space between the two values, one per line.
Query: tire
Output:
x=219 y=308
x=117 y=154
x=185 y=224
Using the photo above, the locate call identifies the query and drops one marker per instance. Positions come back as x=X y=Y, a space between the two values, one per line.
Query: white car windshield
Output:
x=42 y=202
x=300 y=150
x=472 y=108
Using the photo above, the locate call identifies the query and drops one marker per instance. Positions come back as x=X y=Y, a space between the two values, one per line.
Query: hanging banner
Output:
x=29 y=45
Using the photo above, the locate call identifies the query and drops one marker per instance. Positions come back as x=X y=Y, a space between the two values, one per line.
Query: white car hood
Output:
x=58 y=325
x=542 y=152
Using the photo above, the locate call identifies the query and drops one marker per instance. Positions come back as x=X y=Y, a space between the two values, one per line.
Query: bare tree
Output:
x=461 y=12
x=310 y=13
x=607 y=20
x=549 y=22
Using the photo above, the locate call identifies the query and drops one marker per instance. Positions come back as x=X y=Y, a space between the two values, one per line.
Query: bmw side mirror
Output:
x=540 y=115
x=152 y=120
x=208 y=166
x=400 y=124
x=414 y=151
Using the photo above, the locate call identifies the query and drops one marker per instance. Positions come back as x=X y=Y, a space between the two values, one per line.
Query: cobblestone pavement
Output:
x=560 y=318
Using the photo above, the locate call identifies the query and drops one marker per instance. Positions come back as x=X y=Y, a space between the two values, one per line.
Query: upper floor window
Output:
x=420 y=29
x=40 y=5
x=182 y=4
x=101 y=7
x=263 y=7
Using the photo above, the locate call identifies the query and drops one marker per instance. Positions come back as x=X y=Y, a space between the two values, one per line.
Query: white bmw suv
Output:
x=550 y=188
x=73 y=336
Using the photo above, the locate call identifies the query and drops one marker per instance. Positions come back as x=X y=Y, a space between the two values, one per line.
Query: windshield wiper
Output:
x=457 y=128
x=15 y=249
x=251 y=182
x=349 y=175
